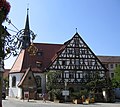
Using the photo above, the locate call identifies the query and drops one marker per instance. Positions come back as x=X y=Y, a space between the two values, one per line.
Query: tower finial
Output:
x=76 y=30
x=27 y=8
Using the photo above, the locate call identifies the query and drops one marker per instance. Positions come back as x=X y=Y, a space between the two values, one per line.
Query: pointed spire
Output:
x=27 y=28
x=26 y=37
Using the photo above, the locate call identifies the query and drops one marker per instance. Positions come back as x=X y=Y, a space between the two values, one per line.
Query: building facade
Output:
x=110 y=62
x=74 y=60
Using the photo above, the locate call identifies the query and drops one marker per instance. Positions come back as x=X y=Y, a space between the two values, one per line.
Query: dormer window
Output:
x=39 y=53
x=38 y=64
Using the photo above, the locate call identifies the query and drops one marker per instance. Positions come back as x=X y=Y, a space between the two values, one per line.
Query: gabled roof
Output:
x=24 y=60
x=28 y=79
x=24 y=76
x=81 y=58
x=17 y=66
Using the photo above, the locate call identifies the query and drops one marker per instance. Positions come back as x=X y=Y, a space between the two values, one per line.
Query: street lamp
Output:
x=4 y=10
x=65 y=90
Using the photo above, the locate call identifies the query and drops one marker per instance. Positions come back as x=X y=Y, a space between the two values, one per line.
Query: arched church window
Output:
x=13 y=81
x=38 y=80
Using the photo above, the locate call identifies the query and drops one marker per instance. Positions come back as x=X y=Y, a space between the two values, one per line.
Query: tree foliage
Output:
x=116 y=79
x=51 y=78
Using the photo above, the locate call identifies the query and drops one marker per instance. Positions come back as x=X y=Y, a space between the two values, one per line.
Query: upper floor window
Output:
x=70 y=51
x=111 y=65
x=77 y=62
x=63 y=62
x=71 y=75
x=13 y=81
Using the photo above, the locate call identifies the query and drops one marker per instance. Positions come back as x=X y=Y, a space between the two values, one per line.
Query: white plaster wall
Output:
x=15 y=91
x=19 y=93
x=43 y=81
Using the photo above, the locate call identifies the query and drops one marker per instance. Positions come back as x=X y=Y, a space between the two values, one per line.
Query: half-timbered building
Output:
x=77 y=64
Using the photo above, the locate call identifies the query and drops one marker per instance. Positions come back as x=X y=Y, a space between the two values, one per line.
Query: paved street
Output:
x=19 y=103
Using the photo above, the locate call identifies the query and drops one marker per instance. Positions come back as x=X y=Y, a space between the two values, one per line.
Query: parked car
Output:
x=3 y=95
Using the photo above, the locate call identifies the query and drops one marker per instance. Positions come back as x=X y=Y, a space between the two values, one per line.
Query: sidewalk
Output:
x=67 y=104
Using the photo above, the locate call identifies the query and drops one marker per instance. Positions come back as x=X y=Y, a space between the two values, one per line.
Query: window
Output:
x=13 y=81
x=38 y=64
x=77 y=62
x=29 y=78
x=39 y=53
x=63 y=62
x=77 y=51
x=38 y=80
x=78 y=75
x=70 y=51
x=71 y=75
x=112 y=75
x=111 y=65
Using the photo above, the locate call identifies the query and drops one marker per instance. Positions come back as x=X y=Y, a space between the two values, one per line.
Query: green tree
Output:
x=51 y=78
x=53 y=91
x=116 y=79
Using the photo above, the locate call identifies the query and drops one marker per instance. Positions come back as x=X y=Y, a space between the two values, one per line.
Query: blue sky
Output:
x=55 y=21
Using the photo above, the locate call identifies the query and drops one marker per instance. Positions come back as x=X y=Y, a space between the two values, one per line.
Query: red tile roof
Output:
x=24 y=60
x=49 y=54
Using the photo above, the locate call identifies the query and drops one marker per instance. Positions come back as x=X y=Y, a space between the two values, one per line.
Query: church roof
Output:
x=44 y=56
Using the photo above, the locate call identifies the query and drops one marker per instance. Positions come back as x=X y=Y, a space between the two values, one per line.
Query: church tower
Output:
x=26 y=37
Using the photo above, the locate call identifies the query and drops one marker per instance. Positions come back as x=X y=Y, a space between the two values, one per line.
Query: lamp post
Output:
x=65 y=91
x=4 y=10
